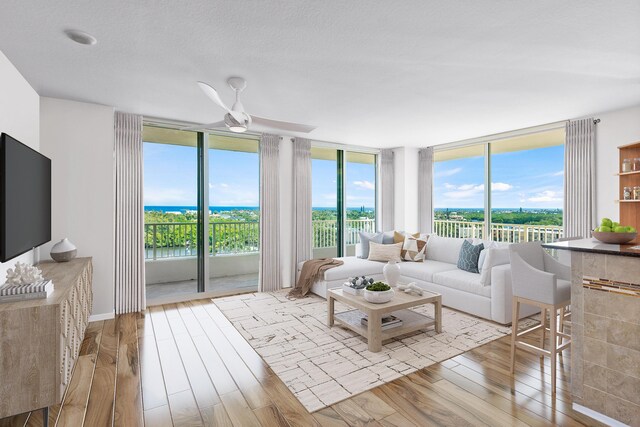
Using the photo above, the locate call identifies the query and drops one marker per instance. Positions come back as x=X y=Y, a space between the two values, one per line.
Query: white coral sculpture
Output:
x=410 y=288
x=23 y=274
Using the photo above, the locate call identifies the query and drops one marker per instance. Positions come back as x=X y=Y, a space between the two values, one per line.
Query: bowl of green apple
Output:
x=614 y=233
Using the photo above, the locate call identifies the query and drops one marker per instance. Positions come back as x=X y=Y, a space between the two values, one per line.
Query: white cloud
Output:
x=501 y=186
x=365 y=185
x=547 y=196
x=449 y=172
x=168 y=197
x=466 y=191
x=559 y=173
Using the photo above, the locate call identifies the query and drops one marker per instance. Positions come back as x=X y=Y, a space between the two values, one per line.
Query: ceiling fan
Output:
x=236 y=119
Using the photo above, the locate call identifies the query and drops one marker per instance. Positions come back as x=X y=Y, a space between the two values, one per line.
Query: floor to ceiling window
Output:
x=343 y=199
x=507 y=190
x=234 y=213
x=194 y=188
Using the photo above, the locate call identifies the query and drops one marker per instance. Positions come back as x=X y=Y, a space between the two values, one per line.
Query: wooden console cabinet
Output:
x=40 y=339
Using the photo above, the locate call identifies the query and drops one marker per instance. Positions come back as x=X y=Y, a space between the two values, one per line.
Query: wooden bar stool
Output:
x=540 y=280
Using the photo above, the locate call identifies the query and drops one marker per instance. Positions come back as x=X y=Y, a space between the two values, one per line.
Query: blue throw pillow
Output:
x=469 y=255
x=365 y=238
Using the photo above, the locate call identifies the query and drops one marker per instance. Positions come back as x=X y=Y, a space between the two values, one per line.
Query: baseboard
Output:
x=102 y=316
x=597 y=416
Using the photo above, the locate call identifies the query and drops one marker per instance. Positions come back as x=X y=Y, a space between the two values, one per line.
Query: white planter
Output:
x=378 y=297
x=391 y=272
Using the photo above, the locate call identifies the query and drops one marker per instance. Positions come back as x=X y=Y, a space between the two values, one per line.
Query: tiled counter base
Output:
x=605 y=363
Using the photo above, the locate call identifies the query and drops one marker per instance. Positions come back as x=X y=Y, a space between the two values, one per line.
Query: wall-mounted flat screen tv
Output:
x=25 y=198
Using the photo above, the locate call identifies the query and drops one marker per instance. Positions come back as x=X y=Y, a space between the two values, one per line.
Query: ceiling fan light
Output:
x=237 y=129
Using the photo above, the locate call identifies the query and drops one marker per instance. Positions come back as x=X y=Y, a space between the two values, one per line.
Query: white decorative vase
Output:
x=63 y=251
x=391 y=272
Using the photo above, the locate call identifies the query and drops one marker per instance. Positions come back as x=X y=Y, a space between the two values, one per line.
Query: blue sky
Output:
x=170 y=179
x=527 y=179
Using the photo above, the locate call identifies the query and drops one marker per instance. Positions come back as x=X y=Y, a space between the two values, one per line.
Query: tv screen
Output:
x=25 y=198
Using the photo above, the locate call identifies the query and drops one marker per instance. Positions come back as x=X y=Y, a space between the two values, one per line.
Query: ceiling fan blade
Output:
x=213 y=94
x=205 y=126
x=276 y=124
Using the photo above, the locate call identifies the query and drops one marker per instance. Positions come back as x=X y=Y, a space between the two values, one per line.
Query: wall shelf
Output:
x=627 y=201
x=628 y=173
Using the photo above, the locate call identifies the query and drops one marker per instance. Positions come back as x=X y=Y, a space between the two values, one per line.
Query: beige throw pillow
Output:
x=381 y=252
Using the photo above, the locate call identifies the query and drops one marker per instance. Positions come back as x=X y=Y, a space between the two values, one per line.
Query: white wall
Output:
x=616 y=128
x=405 y=170
x=78 y=137
x=20 y=118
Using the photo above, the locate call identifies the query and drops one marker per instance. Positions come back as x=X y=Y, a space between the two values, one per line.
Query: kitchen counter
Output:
x=605 y=330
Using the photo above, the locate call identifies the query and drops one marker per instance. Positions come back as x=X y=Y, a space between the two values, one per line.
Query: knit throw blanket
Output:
x=312 y=270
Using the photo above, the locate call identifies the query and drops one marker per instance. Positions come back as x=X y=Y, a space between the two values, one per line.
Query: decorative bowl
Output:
x=614 y=238
x=378 y=297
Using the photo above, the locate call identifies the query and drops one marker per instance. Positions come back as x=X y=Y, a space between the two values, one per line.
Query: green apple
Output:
x=596 y=230
x=615 y=224
x=606 y=222
x=620 y=229
x=631 y=229
x=605 y=229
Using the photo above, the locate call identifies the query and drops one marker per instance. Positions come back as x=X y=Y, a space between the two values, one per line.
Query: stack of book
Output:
x=13 y=293
x=389 y=321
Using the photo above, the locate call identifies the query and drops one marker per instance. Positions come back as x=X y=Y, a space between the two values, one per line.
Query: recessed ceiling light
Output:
x=81 y=37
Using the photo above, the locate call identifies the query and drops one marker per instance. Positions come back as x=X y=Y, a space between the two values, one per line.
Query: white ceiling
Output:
x=376 y=73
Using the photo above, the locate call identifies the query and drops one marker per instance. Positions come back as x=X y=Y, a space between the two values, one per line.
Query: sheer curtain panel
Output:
x=579 y=178
x=302 y=225
x=425 y=189
x=270 y=278
x=386 y=190
x=129 y=226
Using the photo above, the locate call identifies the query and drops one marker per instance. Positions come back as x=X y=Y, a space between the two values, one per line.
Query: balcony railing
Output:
x=178 y=239
x=511 y=233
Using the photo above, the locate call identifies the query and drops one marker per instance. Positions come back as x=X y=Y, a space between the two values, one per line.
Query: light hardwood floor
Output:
x=185 y=365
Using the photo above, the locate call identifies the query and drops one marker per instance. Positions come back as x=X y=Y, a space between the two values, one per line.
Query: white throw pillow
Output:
x=382 y=252
x=495 y=256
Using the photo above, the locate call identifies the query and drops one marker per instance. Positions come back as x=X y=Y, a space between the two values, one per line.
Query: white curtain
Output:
x=425 y=189
x=580 y=178
x=302 y=226
x=129 y=223
x=386 y=190
x=269 y=275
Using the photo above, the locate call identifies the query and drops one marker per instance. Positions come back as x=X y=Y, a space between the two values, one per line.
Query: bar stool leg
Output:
x=543 y=322
x=553 y=349
x=561 y=326
x=515 y=314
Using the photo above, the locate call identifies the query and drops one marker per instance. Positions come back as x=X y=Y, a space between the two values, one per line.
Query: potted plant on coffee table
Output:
x=378 y=293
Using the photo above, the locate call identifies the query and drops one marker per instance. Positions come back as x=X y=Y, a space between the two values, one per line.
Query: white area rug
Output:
x=323 y=365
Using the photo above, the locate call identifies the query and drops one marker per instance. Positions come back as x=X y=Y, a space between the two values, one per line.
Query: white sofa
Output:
x=486 y=295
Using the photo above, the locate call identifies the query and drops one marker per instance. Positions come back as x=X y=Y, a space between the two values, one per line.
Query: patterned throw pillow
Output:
x=399 y=236
x=469 y=255
x=414 y=249
x=382 y=252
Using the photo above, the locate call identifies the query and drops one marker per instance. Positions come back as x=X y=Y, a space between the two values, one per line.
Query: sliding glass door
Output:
x=343 y=199
x=234 y=213
x=198 y=185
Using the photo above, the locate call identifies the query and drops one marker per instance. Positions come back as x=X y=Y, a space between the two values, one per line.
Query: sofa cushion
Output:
x=424 y=270
x=463 y=281
x=365 y=238
x=444 y=249
x=353 y=267
x=495 y=256
x=469 y=255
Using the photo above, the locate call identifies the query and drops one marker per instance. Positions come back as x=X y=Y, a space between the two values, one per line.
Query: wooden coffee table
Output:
x=399 y=305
